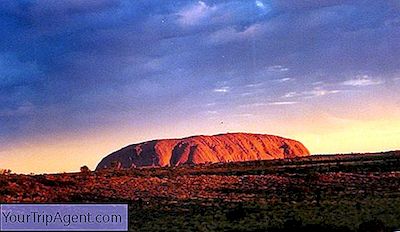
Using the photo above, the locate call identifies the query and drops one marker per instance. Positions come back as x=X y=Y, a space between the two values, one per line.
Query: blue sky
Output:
x=69 y=68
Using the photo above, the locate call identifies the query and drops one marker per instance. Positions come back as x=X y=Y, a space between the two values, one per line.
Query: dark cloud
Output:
x=75 y=64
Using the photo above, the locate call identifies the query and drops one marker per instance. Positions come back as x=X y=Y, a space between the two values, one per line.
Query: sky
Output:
x=82 y=78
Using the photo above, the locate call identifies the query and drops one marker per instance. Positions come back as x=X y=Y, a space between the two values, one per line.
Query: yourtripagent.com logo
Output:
x=64 y=217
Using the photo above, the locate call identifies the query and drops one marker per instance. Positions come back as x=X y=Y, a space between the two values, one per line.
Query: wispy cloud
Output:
x=277 y=68
x=264 y=7
x=363 y=80
x=279 y=103
x=211 y=104
x=315 y=92
x=230 y=34
x=260 y=4
x=275 y=103
x=195 y=14
x=224 y=89
x=256 y=104
x=246 y=115
x=24 y=109
x=291 y=94
x=246 y=94
x=254 y=85
x=286 y=79
x=212 y=112
x=318 y=83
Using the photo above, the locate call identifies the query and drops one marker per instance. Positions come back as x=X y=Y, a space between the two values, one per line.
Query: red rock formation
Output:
x=232 y=147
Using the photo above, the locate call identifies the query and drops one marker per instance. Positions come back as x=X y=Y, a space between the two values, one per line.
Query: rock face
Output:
x=232 y=147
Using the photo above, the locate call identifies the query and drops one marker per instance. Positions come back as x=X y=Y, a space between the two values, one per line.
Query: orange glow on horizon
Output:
x=68 y=154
